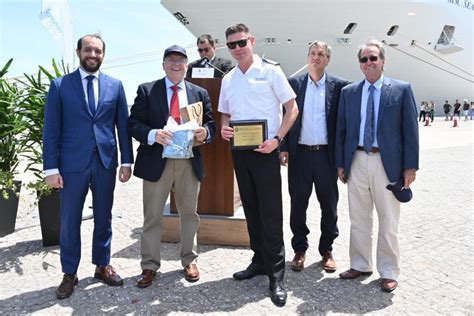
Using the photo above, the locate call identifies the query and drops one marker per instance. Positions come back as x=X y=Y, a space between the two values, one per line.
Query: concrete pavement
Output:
x=436 y=234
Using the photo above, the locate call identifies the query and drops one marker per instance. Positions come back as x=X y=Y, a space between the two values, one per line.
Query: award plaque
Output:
x=248 y=134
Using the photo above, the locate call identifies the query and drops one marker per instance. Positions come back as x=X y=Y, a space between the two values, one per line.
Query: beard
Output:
x=90 y=68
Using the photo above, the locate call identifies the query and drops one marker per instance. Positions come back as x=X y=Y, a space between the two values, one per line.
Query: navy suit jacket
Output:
x=70 y=132
x=333 y=87
x=151 y=111
x=397 y=127
x=224 y=65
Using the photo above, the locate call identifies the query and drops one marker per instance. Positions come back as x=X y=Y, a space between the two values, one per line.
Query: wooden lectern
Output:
x=221 y=223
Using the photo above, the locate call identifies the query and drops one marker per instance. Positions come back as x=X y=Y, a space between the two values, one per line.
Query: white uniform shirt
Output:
x=313 y=122
x=258 y=94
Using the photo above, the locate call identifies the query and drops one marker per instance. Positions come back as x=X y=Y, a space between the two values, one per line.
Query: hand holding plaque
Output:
x=248 y=134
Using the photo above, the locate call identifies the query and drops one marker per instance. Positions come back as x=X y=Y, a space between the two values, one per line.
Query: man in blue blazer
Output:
x=377 y=144
x=155 y=102
x=309 y=151
x=83 y=111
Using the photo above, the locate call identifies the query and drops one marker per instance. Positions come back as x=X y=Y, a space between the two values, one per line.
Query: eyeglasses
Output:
x=175 y=61
x=241 y=43
x=207 y=50
x=365 y=59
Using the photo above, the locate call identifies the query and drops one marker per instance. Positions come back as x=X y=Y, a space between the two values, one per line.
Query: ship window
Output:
x=393 y=29
x=350 y=28
x=446 y=36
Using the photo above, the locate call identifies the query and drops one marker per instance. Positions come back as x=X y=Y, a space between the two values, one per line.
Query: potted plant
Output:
x=33 y=109
x=12 y=125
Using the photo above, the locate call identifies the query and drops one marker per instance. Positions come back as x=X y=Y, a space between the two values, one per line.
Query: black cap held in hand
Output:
x=402 y=194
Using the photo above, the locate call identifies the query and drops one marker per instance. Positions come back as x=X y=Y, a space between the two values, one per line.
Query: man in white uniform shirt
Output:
x=256 y=89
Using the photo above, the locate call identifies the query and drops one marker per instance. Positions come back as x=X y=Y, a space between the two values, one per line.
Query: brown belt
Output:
x=373 y=150
x=313 y=147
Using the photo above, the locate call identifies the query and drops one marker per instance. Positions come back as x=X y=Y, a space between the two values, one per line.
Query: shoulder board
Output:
x=271 y=62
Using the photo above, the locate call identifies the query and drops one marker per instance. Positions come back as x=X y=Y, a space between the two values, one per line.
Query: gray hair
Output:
x=323 y=45
x=372 y=43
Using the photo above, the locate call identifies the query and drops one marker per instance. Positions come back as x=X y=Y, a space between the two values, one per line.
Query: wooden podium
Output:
x=222 y=221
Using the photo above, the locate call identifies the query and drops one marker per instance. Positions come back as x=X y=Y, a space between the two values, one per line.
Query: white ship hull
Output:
x=283 y=30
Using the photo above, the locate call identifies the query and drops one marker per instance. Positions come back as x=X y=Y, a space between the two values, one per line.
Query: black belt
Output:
x=373 y=150
x=312 y=147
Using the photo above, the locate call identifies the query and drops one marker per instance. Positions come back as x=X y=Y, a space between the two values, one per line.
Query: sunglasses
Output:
x=241 y=43
x=372 y=58
x=207 y=50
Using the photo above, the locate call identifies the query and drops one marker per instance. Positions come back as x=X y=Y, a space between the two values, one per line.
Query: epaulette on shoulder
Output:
x=271 y=62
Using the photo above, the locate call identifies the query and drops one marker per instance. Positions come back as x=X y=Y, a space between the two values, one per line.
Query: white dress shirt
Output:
x=95 y=85
x=313 y=122
x=183 y=102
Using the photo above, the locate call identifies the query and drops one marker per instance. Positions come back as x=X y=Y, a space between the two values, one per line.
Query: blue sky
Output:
x=136 y=34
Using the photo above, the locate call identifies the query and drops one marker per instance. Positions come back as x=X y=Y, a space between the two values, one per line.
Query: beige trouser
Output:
x=179 y=176
x=367 y=185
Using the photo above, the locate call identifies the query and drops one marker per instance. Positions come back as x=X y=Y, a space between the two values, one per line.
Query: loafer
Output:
x=388 y=285
x=252 y=270
x=146 y=278
x=108 y=275
x=191 y=273
x=353 y=274
x=66 y=288
x=329 y=264
x=278 y=294
x=297 y=264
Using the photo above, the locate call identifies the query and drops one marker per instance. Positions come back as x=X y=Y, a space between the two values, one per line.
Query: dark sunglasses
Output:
x=241 y=43
x=372 y=58
x=207 y=50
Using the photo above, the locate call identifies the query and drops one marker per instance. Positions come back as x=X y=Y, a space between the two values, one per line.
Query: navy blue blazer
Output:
x=333 y=87
x=151 y=111
x=71 y=133
x=397 y=127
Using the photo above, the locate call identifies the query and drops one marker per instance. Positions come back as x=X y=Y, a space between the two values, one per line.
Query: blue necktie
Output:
x=369 y=121
x=90 y=94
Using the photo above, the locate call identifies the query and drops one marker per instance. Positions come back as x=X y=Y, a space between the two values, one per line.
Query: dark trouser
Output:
x=259 y=180
x=304 y=170
x=76 y=184
x=422 y=116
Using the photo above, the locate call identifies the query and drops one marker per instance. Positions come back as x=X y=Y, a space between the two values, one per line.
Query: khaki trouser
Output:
x=178 y=175
x=367 y=186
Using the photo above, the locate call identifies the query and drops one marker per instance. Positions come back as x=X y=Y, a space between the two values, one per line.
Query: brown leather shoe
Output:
x=329 y=264
x=67 y=285
x=108 y=275
x=388 y=285
x=191 y=273
x=352 y=274
x=146 y=278
x=298 y=261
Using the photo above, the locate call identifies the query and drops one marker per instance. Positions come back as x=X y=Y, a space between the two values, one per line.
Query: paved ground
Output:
x=436 y=235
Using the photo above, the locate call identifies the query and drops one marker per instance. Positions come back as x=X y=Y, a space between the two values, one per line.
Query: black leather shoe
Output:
x=252 y=270
x=66 y=288
x=278 y=296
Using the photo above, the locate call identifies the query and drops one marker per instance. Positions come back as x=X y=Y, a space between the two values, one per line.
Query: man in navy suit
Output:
x=309 y=152
x=83 y=111
x=207 y=52
x=155 y=102
x=377 y=144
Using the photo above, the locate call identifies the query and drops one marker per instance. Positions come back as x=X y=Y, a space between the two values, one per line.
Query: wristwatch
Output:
x=279 y=139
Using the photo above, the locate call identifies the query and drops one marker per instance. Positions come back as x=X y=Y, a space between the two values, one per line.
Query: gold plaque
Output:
x=248 y=134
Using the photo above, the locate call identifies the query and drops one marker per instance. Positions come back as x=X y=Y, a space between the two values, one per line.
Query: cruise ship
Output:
x=428 y=42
